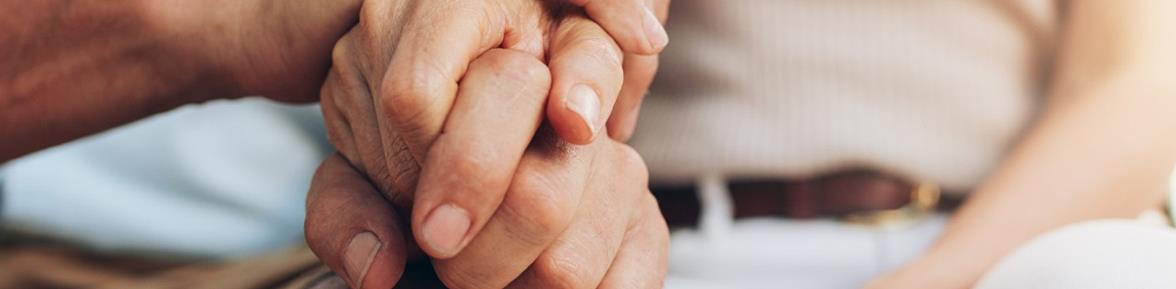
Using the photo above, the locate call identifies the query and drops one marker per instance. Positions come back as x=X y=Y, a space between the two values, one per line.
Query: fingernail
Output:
x=445 y=228
x=655 y=32
x=359 y=255
x=584 y=101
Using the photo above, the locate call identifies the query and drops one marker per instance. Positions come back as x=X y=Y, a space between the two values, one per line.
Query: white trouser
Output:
x=827 y=254
x=1104 y=254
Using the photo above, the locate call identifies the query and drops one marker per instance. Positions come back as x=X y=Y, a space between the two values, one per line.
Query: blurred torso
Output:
x=928 y=89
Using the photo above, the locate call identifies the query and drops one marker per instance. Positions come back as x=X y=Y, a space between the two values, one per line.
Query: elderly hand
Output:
x=572 y=216
x=391 y=103
x=551 y=232
x=390 y=123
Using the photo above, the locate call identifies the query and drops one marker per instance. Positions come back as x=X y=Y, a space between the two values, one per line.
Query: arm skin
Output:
x=72 y=68
x=1103 y=149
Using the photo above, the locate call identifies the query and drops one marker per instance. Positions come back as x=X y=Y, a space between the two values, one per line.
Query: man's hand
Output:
x=393 y=105
x=615 y=236
x=573 y=216
x=391 y=102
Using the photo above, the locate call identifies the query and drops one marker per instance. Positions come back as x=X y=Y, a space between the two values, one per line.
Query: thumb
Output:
x=352 y=229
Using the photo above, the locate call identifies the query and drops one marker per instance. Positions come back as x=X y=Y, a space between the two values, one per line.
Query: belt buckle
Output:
x=924 y=198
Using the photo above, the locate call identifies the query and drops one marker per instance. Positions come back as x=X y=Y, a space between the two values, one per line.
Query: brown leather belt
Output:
x=835 y=195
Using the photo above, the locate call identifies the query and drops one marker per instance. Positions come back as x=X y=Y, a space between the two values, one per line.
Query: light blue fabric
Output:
x=220 y=179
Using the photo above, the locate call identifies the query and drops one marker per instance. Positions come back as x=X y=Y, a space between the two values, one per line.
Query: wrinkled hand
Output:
x=572 y=217
x=561 y=229
x=549 y=233
x=395 y=111
x=391 y=102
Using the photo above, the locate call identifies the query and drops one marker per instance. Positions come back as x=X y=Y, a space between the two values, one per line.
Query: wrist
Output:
x=274 y=48
x=196 y=47
x=279 y=49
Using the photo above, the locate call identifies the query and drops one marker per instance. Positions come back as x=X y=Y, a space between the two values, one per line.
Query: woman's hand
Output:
x=394 y=110
x=573 y=217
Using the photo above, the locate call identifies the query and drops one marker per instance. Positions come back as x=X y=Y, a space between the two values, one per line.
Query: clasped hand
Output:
x=468 y=130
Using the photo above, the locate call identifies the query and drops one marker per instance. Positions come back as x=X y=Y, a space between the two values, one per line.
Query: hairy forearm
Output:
x=69 y=68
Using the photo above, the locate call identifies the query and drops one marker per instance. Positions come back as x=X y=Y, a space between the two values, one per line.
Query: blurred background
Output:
x=224 y=179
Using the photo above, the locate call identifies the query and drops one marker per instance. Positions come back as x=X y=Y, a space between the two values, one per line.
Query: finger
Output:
x=586 y=72
x=641 y=262
x=337 y=123
x=435 y=51
x=631 y=22
x=639 y=74
x=543 y=197
x=470 y=165
x=581 y=256
x=352 y=124
x=352 y=229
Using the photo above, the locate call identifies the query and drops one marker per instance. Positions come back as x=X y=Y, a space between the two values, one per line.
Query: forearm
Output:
x=72 y=68
x=1103 y=148
x=1107 y=154
x=75 y=67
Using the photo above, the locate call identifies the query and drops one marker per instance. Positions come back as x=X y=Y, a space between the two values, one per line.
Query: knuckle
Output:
x=336 y=126
x=406 y=96
x=476 y=166
x=341 y=77
x=370 y=15
x=512 y=66
x=478 y=173
x=541 y=208
x=631 y=164
x=341 y=52
x=562 y=272
x=595 y=45
x=605 y=48
x=456 y=278
x=641 y=67
x=344 y=82
x=585 y=34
